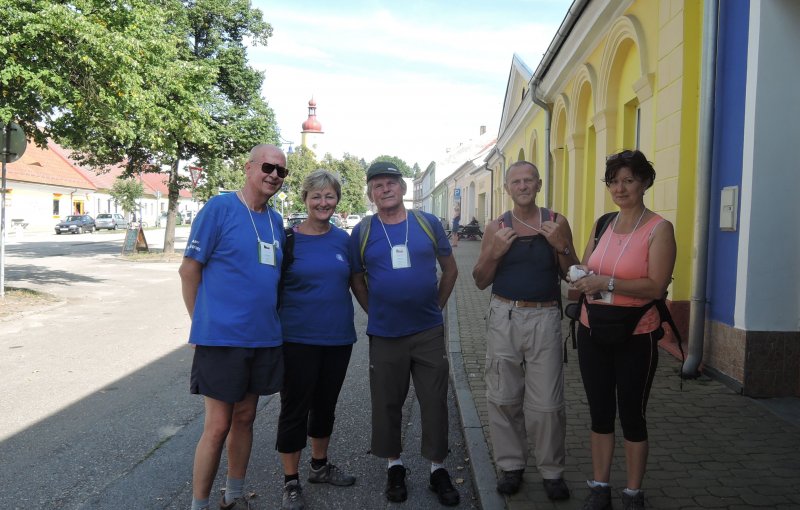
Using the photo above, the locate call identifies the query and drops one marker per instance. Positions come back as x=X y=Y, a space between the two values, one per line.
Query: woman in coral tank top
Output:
x=630 y=267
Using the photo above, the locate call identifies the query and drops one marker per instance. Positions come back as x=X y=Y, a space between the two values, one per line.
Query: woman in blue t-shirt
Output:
x=316 y=312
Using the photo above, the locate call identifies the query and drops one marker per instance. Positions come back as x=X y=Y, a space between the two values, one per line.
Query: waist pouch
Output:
x=611 y=325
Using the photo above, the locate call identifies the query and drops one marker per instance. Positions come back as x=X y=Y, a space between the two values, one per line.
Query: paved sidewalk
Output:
x=709 y=447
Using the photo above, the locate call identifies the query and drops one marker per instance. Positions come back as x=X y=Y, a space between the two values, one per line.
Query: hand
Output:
x=554 y=234
x=592 y=284
x=502 y=240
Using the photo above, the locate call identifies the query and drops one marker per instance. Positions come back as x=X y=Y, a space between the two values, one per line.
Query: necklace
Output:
x=528 y=225
x=269 y=217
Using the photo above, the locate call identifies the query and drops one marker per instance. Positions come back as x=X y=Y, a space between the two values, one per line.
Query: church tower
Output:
x=312 y=131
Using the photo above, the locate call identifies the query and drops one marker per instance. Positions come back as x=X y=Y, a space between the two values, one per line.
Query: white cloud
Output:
x=386 y=81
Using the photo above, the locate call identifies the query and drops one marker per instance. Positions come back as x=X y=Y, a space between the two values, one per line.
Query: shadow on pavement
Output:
x=40 y=275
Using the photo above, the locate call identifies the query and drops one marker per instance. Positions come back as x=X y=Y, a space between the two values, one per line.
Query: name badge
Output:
x=266 y=253
x=400 y=258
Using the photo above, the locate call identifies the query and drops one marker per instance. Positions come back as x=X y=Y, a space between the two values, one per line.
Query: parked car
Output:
x=337 y=220
x=352 y=220
x=295 y=219
x=76 y=224
x=111 y=221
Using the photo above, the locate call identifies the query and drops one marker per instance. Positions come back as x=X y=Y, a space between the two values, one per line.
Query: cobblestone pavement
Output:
x=709 y=447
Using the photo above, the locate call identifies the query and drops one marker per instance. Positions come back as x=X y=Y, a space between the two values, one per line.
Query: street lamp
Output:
x=284 y=141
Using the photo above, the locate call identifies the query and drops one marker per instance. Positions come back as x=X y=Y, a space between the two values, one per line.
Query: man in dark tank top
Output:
x=523 y=255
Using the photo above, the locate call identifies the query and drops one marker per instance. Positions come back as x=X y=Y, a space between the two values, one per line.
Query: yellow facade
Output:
x=637 y=86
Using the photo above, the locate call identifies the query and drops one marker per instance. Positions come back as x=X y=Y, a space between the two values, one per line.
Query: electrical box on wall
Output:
x=728 y=208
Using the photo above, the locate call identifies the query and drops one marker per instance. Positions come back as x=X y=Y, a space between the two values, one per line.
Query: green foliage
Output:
x=126 y=191
x=300 y=163
x=399 y=163
x=352 y=174
x=417 y=170
x=221 y=174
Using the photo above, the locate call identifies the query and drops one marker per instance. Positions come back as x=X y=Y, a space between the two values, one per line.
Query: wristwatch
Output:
x=611 y=284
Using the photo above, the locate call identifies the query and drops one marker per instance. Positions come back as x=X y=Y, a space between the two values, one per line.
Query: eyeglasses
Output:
x=268 y=168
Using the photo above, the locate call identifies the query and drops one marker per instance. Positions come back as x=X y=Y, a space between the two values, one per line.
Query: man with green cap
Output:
x=394 y=253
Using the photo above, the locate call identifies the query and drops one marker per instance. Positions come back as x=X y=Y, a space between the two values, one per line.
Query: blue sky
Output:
x=405 y=78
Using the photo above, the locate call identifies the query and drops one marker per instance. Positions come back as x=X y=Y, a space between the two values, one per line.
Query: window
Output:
x=56 y=208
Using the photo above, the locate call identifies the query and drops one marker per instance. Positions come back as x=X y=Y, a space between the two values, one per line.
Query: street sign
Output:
x=13 y=143
x=458 y=193
x=282 y=196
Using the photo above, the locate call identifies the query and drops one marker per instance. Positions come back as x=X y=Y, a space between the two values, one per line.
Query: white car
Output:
x=352 y=220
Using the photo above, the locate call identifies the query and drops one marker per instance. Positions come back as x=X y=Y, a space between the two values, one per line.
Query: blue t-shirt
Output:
x=405 y=301
x=236 y=303
x=316 y=305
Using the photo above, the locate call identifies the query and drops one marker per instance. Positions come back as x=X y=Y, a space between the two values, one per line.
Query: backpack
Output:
x=365 y=225
x=573 y=310
x=288 y=258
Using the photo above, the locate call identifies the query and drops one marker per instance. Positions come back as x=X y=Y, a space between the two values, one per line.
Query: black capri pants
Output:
x=621 y=375
x=314 y=375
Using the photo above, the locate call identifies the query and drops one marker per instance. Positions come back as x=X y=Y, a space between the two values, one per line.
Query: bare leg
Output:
x=209 y=449
x=240 y=437
x=602 y=454
x=636 y=460
x=319 y=447
x=291 y=462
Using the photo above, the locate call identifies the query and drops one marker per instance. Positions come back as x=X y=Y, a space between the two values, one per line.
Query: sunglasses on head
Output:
x=268 y=168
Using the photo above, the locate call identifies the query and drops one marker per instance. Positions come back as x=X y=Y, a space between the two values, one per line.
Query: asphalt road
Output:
x=96 y=413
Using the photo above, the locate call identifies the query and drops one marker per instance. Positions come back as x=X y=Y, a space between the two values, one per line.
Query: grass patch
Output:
x=154 y=255
x=19 y=300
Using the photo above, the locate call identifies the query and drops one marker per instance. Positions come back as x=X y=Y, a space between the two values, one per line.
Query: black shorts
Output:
x=229 y=373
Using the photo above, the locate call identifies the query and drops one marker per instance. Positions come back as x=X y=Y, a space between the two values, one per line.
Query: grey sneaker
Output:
x=599 y=499
x=240 y=503
x=330 y=474
x=510 y=481
x=292 y=496
x=633 y=502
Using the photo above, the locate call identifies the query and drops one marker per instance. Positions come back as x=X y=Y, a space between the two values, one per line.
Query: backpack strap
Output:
x=288 y=250
x=365 y=225
x=426 y=226
x=288 y=258
x=602 y=224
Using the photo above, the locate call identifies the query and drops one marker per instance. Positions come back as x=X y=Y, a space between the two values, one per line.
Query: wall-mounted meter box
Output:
x=729 y=208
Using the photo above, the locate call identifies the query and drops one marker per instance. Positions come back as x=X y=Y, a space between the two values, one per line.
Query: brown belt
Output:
x=527 y=304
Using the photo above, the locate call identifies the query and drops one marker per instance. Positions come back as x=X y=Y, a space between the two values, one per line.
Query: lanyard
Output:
x=269 y=216
x=387 y=233
x=627 y=240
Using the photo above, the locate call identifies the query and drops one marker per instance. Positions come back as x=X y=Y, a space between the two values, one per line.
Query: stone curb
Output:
x=483 y=472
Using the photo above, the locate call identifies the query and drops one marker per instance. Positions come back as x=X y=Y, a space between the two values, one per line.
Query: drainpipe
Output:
x=572 y=16
x=697 y=313
x=548 y=168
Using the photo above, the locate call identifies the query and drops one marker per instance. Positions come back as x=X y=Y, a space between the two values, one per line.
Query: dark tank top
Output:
x=528 y=271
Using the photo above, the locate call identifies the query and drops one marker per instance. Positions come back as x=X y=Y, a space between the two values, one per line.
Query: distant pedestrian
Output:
x=456 y=225
x=522 y=256
x=395 y=252
x=230 y=274
x=628 y=270
x=316 y=283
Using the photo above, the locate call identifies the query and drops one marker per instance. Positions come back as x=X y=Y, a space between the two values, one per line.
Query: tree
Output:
x=126 y=191
x=399 y=163
x=417 y=171
x=221 y=174
x=300 y=163
x=352 y=175
x=81 y=65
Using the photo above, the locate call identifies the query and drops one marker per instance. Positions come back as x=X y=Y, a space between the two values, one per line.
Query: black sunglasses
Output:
x=268 y=168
